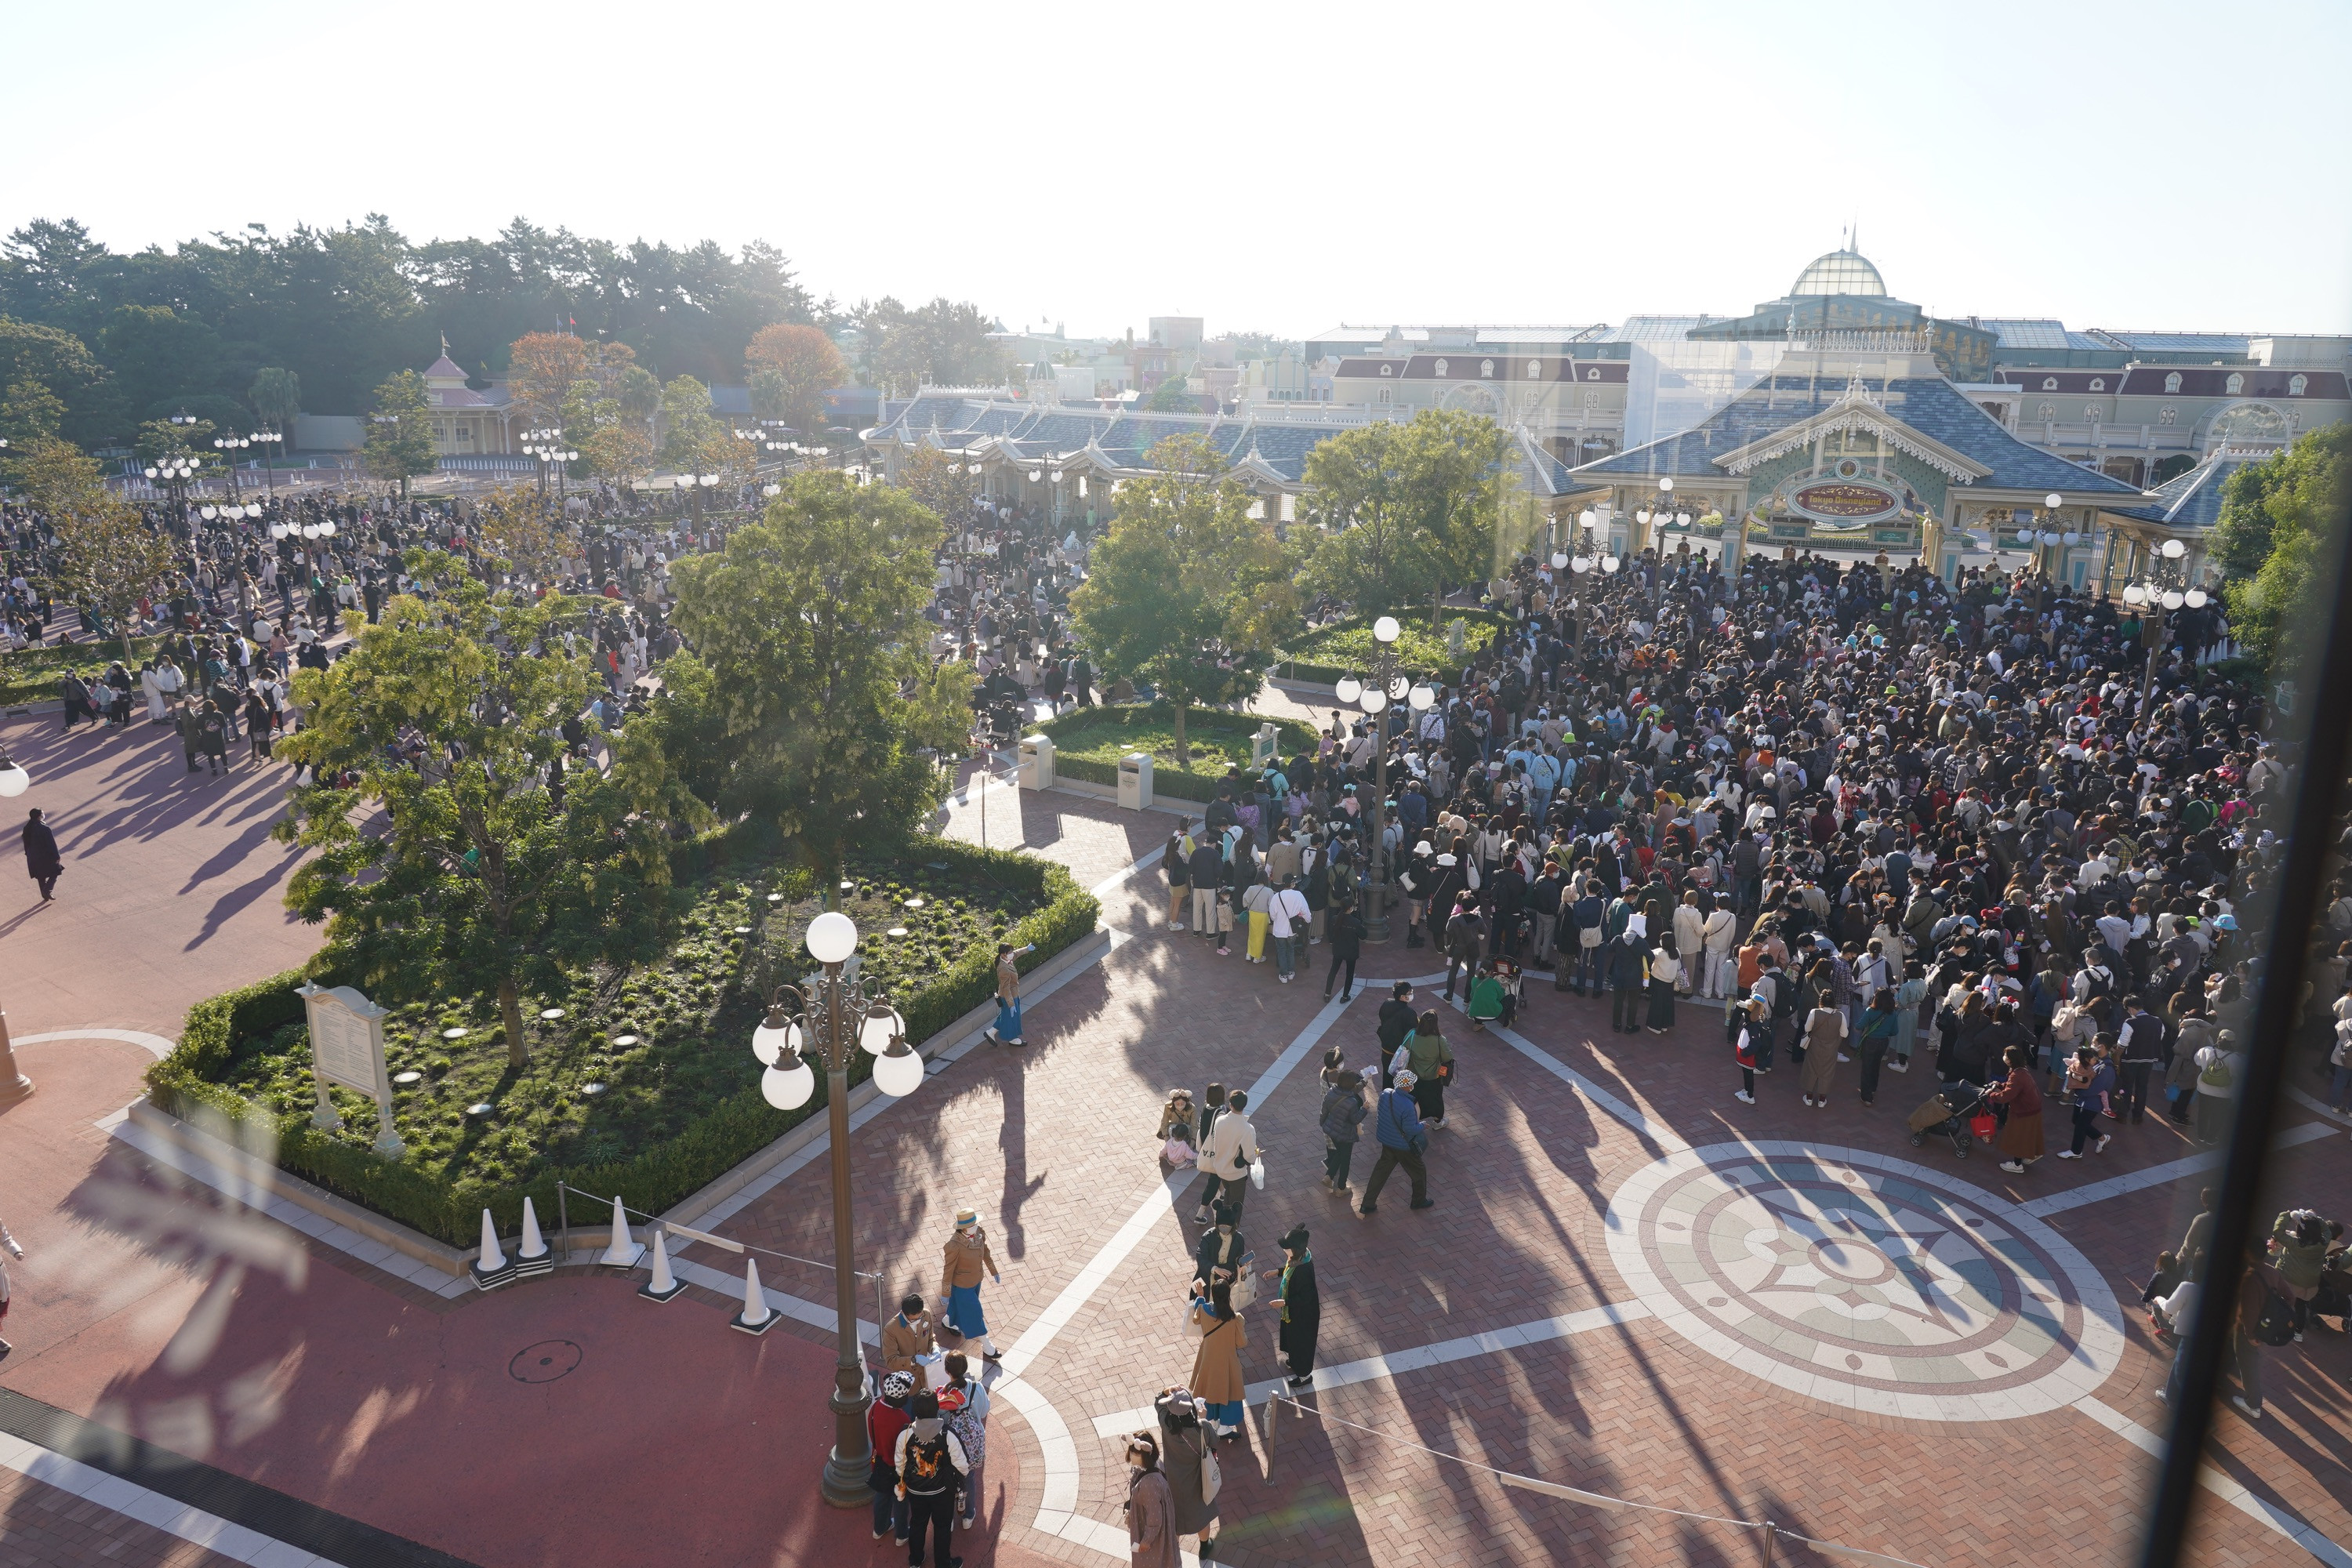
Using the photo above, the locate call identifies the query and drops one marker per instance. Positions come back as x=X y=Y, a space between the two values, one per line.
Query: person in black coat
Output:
x=1397 y=1020
x=42 y=862
x=1301 y=1306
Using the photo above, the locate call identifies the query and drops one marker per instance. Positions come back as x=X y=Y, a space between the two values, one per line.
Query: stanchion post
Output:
x=564 y=1220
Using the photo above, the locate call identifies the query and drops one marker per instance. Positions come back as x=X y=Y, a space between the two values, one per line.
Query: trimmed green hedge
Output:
x=653 y=1180
x=1081 y=725
x=1419 y=652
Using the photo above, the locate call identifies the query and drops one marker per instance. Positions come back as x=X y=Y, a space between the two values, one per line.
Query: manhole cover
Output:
x=544 y=1362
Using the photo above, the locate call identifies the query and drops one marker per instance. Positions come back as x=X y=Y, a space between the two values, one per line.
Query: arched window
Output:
x=1592 y=375
x=2173 y=381
x=2167 y=415
x=1535 y=369
x=2235 y=385
x=2090 y=414
x=1486 y=367
x=2295 y=383
x=2099 y=383
x=1441 y=367
x=2049 y=384
x=2047 y=411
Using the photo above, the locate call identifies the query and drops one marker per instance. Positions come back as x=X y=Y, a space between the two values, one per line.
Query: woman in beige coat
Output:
x=1217 y=1366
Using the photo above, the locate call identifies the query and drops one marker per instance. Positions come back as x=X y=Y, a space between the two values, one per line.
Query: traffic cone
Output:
x=491 y=1269
x=662 y=1286
x=757 y=1317
x=624 y=1251
x=532 y=1257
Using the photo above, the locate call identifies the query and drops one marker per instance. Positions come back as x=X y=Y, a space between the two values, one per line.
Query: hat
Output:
x=1406 y=1079
x=1445 y=860
x=1294 y=1238
x=967 y=1217
x=1423 y=847
x=896 y=1384
x=2227 y=922
x=924 y=1407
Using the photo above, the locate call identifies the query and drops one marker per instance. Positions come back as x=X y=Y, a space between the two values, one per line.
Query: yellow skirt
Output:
x=1258 y=923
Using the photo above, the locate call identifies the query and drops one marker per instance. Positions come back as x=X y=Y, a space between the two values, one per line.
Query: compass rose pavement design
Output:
x=1864 y=1281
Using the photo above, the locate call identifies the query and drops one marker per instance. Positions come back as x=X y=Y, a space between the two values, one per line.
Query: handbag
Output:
x=1212 y=1476
x=1984 y=1124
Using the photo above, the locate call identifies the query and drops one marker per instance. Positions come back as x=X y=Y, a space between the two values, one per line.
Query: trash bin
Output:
x=1263 y=745
x=1037 y=762
x=1135 y=781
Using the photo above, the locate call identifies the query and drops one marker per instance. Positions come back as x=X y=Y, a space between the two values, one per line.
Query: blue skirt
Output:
x=964 y=1311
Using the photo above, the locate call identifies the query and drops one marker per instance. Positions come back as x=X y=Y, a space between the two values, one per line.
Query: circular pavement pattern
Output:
x=1868 y=1282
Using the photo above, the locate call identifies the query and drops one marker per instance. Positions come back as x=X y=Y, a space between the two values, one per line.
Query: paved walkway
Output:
x=1631 y=1285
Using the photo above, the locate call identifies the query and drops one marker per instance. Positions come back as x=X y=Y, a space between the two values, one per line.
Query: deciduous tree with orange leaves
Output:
x=791 y=365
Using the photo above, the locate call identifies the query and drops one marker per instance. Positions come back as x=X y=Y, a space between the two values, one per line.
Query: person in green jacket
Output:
x=1425 y=1052
x=2299 y=1248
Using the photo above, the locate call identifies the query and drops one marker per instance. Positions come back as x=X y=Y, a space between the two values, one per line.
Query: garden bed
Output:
x=30 y=674
x=1347 y=646
x=677 y=1102
x=1089 y=742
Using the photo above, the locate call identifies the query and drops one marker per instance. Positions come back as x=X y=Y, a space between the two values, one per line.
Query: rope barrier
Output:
x=1597 y=1499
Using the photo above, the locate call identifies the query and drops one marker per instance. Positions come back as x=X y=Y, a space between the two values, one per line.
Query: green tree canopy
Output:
x=1408 y=510
x=1187 y=591
x=2278 y=520
x=400 y=431
x=691 y=438
x=471 y=882
x=277 y=397
x=809 y=625
x=943 y=344
x=1171 y=396
x=107 y=556
x=62 y=366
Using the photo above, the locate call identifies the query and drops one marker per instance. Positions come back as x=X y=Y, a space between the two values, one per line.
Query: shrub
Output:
x=1345 y=647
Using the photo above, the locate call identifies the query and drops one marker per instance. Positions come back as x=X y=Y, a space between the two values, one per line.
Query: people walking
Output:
x=1398 y=1128
x=1342 y=1121
x=1151 y=1507
x=2019 y=1142
x=1431 y=1060
x=1228 y=1150
x=42 y=862
x=1345 y=922
x=1217 y=1378
x=967 y=1256
x=1006 y=1030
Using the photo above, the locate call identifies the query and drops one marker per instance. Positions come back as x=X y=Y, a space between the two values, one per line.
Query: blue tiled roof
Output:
x=1929 y=405
x=2190 y=500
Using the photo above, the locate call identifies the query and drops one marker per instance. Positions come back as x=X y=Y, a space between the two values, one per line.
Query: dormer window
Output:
x=2295 y=383
x=2049 y=384
x=1592 y=375
x=2173 y=381
x=1388 y=370
x=1486 y=367
x=2236 y=384
x=2099 y=383
x=1441 y=367
x=1535 y=369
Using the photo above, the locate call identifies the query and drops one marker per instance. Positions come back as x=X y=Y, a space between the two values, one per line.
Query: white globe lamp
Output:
x=788 y=1089
x=899 y=1072
x=1386 y=630
x=832 y=937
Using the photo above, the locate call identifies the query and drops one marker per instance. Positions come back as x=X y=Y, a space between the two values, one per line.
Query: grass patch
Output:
x=1347 y=646
x=30 y=674
x=679 y=1103
x=1089 y=742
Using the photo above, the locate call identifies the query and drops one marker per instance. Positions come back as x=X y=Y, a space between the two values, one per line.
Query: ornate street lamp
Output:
x=832 y=1020
x=1387 y=685
x=2164 y=589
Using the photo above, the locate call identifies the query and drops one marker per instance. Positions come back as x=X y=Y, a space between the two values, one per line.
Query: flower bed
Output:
x=1346 y=648
x=1089 y=742
x=679 y=1103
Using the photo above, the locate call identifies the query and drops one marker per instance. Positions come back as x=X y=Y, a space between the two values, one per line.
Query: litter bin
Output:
x=1037 y=762
x=1263 y=745
x=1135 y=781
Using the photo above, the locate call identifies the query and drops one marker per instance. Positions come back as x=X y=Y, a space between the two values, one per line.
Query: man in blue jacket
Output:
x=1401 y=1142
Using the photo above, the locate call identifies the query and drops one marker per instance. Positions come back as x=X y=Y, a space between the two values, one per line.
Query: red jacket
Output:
x=883 y=1422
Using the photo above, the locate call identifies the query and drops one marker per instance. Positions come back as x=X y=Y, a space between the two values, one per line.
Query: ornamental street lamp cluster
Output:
x=832 y=1020
x=2164 y=589
x=1387 y=685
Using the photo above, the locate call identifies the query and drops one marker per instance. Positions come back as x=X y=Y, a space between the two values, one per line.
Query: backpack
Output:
x=2097 y=984
x=2276 y=1324
x=2217 y=1072
x=1784 y=998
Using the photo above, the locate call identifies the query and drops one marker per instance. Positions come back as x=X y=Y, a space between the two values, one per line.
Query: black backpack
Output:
x=2276 y=1324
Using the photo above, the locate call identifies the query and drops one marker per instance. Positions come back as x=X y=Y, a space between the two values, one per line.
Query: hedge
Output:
x=1309 y=669
x=1167 y=779
x=652 y=1180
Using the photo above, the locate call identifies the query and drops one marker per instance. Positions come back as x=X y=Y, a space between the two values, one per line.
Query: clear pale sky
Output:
x=1270 y=166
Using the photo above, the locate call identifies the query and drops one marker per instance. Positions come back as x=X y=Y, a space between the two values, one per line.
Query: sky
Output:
x=1268 y=166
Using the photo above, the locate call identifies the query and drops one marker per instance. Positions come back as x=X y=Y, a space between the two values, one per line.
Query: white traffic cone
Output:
x=757 y=1317
x=624 y=1251
x=491 y=1269
x=662 y=1286
x=532 y=1257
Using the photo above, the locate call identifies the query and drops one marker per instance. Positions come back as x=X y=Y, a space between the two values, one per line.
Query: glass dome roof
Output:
x=1840 y=272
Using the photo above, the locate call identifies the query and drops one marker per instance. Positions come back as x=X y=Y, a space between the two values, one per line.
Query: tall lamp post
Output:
x=1386 y=685
x=229 y=447
x=267 y=436
x=830 y=1020
x=2163 y=591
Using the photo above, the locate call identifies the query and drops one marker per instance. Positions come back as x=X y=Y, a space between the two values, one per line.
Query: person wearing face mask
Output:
x=1151 y=1507
x=967 y=1256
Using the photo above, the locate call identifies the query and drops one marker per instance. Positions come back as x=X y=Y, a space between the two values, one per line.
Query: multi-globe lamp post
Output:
x=175 y=469
x=2046 y=538
x=1387 y=684
x=2162 y=591
x=832 y=1020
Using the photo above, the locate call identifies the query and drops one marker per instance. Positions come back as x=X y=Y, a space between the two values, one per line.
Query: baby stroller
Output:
x=1959 y=1113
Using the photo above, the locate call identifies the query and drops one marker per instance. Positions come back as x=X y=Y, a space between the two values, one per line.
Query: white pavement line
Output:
x=155 y=1045
x=793 y=1307
x=2260 y=1509
x=2308 y=1102
x=2158 y=1175
x=1641 y=1121
x=169 y=1515
x=1389 y=1364
x=286 y=1211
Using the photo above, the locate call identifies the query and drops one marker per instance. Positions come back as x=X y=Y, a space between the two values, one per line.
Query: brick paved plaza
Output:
x=1630 y=1284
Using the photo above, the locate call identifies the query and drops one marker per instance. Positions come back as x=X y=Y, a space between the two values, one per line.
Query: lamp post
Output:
x=229 y=446
x=830 y=1020
x=547 y=446
x=266 y=437
x=1387 y=685
x=2163 y=591
x=175 y=470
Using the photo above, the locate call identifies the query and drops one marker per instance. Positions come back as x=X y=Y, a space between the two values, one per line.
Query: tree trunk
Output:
x=1436 y=608
x=1184 y=755
x=511 y=1015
